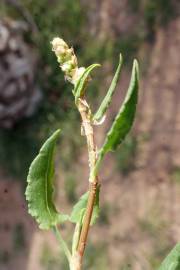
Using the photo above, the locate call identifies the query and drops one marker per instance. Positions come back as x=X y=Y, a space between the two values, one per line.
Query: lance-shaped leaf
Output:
x=107 y=100
x=39 y=192
x=172 y=261
x=80 y=207
x=124 y=119
x=82 y=82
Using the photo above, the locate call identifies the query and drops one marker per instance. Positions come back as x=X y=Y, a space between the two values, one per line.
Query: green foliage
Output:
x=107 y=99
x=80 y=207
x=80 y=87
x=125 y=116
x=124 y=119
x=59 y=16
x=172 y=261
x=57 y=104
x=39 y=191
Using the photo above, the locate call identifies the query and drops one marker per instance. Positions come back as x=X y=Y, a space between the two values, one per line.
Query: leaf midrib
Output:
x=46 y=181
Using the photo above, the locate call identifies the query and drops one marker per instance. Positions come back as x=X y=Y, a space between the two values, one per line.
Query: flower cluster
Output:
x=67 y=60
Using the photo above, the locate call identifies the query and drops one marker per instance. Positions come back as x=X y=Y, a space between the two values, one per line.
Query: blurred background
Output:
x=140 y=195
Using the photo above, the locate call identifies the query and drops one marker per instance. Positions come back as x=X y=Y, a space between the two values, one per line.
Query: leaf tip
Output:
x=120 y=58
x=98 y=65
x=136 y=68
x=57 y=132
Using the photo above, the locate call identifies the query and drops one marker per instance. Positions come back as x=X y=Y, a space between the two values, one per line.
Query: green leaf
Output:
x=80 y=207
x=125 y=117
x=172 y=261
x=39 y=191
x=82 y=82
x=107 y=100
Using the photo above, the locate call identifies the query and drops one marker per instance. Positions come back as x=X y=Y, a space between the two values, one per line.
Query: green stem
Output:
x=62 y=243
x=76 y=236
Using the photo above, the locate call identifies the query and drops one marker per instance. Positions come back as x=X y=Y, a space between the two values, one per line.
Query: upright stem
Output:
x=88 y=132
x=87 y=219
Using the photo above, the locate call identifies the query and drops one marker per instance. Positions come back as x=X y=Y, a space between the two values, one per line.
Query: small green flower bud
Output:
x=67 y=67
x=59 y=42
x=67 y=59
x=60 y=51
